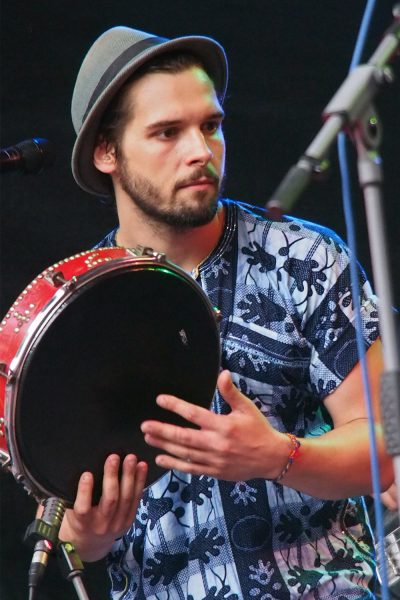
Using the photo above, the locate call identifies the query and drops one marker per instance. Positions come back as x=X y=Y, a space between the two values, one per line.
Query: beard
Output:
x=170 y=210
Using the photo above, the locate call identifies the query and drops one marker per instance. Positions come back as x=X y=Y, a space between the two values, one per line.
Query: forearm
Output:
x=337 y=464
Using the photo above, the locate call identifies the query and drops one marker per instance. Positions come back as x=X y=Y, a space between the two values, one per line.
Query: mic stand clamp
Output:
x=344 y=110
x=71 y=567
x=43 y=535
x=40 y=530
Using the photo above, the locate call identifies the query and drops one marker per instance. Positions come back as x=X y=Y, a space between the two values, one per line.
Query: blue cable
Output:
x=351 y=240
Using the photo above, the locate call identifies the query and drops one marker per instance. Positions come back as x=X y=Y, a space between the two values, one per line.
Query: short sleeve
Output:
x=330 y=318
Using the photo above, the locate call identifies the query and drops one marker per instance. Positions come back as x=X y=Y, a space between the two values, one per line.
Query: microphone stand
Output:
x=72 y=567
x=345 y=109
x=43 y=534
x=351 y=110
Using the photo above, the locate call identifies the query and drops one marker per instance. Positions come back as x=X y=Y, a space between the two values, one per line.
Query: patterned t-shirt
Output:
x=288 y=338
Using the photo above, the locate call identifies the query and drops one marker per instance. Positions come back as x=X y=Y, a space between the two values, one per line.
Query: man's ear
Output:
x=104 y=158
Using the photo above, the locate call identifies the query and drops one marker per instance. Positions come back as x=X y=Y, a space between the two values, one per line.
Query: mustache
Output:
x=198 y=174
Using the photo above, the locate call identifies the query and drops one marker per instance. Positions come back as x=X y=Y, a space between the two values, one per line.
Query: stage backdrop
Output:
x=287 y=59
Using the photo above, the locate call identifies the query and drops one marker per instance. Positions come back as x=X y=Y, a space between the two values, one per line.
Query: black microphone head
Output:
x=30 y=156
x=36 y=154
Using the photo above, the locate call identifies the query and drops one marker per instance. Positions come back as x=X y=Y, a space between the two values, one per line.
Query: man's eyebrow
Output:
x=219 y=114
x=163 y=124
x=173 y=122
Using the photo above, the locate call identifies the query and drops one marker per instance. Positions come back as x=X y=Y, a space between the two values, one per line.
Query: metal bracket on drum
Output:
x=5 y=460
x=4 y=372
x=147 y=251
x=2 y=427
x=57 y=279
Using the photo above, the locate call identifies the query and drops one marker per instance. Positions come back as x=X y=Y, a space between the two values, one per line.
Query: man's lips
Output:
x=201 y=182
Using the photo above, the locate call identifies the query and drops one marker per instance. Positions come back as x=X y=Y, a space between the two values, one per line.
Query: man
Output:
x=262 y=499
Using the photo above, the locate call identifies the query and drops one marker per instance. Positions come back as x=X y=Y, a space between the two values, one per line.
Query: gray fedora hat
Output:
x=114 y=57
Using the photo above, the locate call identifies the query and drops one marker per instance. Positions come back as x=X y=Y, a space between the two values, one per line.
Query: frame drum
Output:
x=84 y=351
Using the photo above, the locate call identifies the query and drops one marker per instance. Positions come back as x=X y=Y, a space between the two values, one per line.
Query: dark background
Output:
x=287 y=58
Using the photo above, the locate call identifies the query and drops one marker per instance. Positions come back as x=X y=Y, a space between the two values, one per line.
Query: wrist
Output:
x=89 y=545
x=94 y=549
x=291 y=452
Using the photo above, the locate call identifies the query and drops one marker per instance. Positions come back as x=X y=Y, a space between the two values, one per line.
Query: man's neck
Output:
x=186 y=248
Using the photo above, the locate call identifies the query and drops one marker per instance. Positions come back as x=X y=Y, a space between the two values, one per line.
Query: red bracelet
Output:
x=294 y=453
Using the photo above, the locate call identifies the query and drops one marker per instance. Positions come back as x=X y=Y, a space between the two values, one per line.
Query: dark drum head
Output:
x=92 y=377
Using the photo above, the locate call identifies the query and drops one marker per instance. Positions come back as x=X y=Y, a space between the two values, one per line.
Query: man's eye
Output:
x=211 y=126
x=168 y=133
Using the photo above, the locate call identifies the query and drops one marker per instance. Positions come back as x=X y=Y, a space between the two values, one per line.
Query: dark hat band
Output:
x=118 y=64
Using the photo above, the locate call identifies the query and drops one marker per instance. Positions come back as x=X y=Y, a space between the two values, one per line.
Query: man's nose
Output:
x=199 y=150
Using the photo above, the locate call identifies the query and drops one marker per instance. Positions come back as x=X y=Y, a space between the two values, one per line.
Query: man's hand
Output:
x=93 y=529
x=389 y=497
x=239 y=446
x=243 y=445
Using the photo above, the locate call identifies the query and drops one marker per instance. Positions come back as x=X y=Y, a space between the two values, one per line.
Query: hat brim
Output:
x=85 y=173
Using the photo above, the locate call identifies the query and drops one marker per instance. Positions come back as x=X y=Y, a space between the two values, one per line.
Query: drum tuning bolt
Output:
x=147 y=251
x=57 y=278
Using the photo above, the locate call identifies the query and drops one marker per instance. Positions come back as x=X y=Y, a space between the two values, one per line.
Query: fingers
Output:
x=389 y=498
x=185 y=466
x=172 y=437
x=140 y=478
x=127 y=487
x=83 y=500
x=110 y=490
x=161 y=434
x=231 y=394
x=203 y=418
x=197 y=415
x=117 y=496
x=121 y=493
x=133 y=480
x=94 y=528
x=224 y=382
x=181 y=441
x=185 y=452
x=131 y=488
x=202 y=450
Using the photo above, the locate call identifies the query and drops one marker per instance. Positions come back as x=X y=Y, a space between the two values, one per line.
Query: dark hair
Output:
x=119 y=110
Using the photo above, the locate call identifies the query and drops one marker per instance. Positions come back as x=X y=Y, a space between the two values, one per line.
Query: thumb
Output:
x=231 y=394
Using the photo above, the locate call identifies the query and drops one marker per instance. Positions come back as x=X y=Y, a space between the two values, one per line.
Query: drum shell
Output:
x=26 y=315
x=34 y=313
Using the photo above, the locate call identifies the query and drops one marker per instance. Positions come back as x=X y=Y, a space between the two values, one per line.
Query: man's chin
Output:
x=190 y=219
x=193 y=216
x=199 y=209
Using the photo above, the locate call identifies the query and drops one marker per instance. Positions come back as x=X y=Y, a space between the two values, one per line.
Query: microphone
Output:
x=43 y=533
x=29 y=156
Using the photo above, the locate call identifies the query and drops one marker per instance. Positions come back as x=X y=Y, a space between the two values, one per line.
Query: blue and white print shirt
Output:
x=288 y=338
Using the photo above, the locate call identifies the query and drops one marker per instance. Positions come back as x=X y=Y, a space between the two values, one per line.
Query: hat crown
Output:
x=102 y=54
